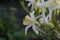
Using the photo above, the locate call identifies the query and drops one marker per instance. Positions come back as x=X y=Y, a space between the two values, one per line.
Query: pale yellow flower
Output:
x=30 y=21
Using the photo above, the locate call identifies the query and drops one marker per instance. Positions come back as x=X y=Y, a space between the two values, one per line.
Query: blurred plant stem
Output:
x=24 y=7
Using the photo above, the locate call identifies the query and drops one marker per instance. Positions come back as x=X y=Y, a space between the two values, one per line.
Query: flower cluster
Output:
x=38 y=13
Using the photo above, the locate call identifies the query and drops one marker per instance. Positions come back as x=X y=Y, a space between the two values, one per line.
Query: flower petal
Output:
x=27 y=29
x=32 y=14
x=29 y=4
x=50 y=14
x=35 y=30
x=42 y=20
x=38 y=16
x=40 y=30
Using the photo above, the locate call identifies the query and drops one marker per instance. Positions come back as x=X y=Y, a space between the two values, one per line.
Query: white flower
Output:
x=51 y=4
x=51 y=7
x=30 y=21
x=42 y=5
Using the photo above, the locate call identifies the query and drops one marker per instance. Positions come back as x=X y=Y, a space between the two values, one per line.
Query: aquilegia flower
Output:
x=30 y=21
